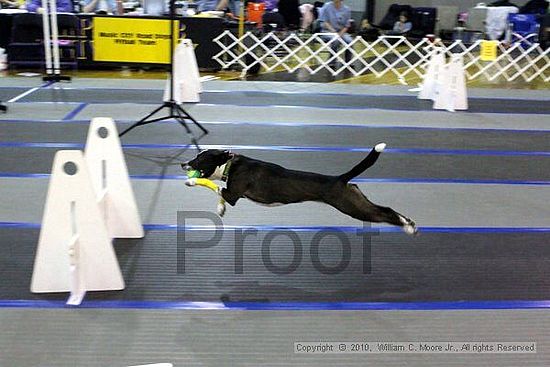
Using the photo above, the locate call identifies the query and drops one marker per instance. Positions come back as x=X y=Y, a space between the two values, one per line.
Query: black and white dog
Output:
x=270 y=184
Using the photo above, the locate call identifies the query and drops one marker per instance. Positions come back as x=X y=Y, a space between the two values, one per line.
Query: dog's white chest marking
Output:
x=218 y=173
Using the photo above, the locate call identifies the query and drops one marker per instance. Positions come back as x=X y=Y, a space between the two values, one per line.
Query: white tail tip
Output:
x=380 y=147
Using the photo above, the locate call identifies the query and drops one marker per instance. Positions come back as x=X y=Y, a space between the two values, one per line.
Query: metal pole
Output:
x=55 y=38
x=172 y=16
x=47 y=39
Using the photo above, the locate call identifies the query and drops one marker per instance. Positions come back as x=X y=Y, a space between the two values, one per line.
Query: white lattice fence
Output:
x=387 y=55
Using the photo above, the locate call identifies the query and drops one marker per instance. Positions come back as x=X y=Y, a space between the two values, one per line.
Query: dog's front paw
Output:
x=191 y=181
x=220 y=209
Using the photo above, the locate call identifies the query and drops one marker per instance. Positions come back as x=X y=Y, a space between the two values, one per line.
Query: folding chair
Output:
x=523 y=28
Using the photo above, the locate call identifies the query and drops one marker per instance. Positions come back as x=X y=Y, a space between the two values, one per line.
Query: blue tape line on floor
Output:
x=285 y=306
x=289 y=148
x=75 y=112
x=442 y=181
x=376 y=229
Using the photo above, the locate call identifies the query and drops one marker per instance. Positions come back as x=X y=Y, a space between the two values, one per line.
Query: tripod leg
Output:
x=182 y=122
x=196 y=144
x=181 y=119
x=188 y=116
x=143 y=121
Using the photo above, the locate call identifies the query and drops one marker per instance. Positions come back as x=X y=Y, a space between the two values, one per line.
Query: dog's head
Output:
x=207 y=161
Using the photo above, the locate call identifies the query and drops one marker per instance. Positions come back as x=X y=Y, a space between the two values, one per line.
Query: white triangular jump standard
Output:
x=111 y=181
x=74 y=252
x=452 y=94
x=186 y=77
x=436 y=66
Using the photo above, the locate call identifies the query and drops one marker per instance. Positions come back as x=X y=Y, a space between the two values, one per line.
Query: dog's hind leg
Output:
x=355 y=204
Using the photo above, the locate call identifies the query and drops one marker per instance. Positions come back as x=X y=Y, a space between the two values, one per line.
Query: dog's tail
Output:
x=364 y=164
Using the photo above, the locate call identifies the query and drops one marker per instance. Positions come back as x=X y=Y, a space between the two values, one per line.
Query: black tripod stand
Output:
x=175 y=111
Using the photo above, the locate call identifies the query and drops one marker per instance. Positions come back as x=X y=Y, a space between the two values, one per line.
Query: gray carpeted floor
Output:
x=306 y=136
x=91 y=338
x=434 y=166
x=385 y=267
x=267 y=99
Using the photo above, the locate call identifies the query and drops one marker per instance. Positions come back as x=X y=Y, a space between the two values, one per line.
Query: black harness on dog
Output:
x=225 y=173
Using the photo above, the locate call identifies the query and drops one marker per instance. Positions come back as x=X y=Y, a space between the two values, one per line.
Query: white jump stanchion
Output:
x=192 y=66
x=187 y=83
x=74 y=252
x=452 y=95
x=111 y=181
x=433 y=74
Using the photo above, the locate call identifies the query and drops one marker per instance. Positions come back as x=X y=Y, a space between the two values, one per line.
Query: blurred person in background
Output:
x=62 y=6
x=103 y=6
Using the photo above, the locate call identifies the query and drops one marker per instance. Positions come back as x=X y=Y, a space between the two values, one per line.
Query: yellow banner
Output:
x=133 y=40
x=488 y=50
